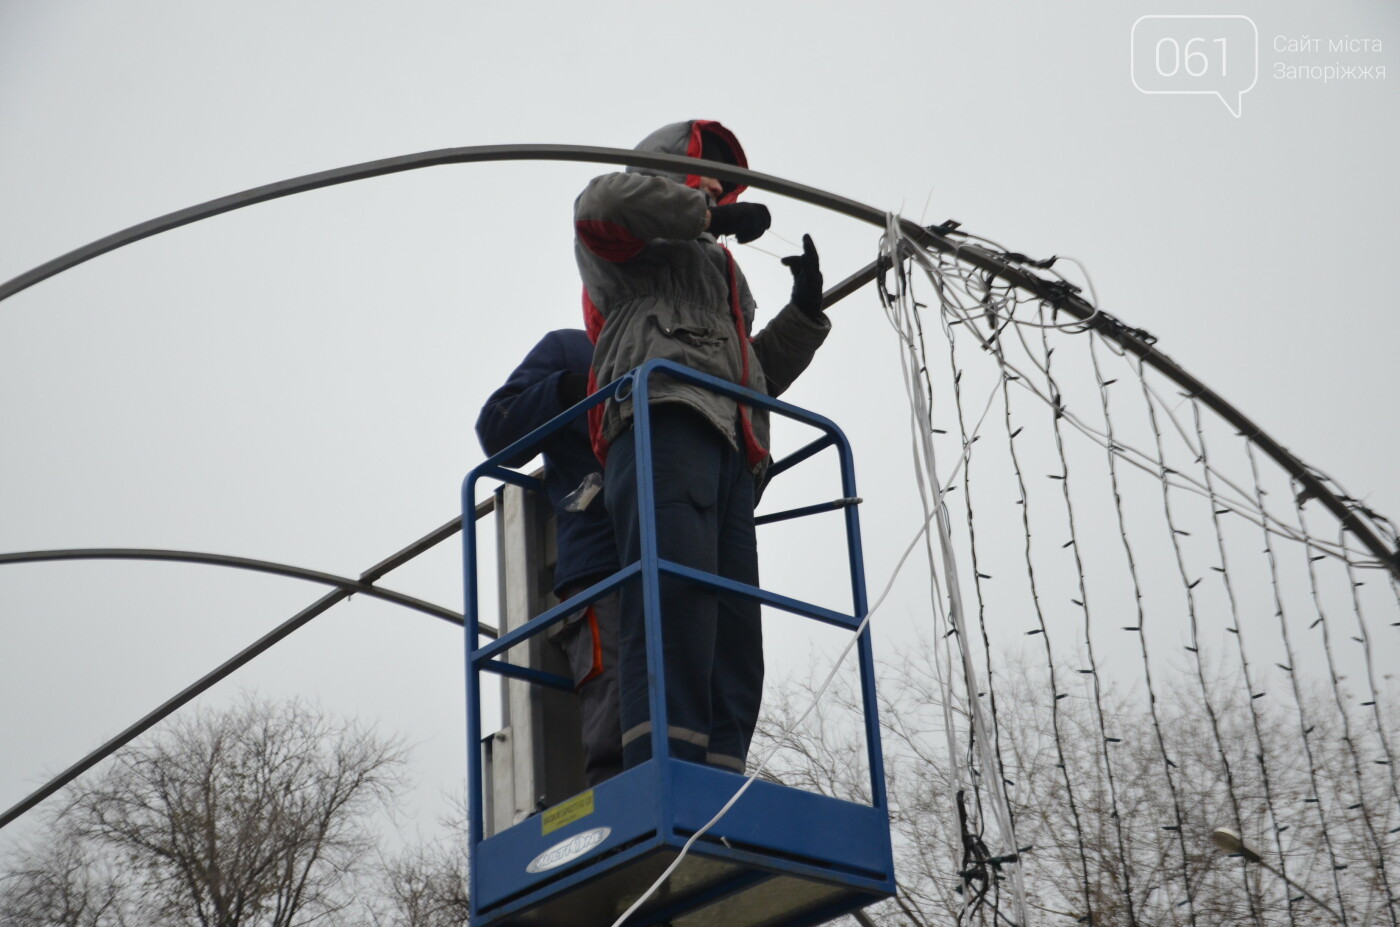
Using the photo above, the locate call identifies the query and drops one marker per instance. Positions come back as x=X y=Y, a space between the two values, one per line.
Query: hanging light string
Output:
x=918 y=387
x=969 y=298
x=1252 y=692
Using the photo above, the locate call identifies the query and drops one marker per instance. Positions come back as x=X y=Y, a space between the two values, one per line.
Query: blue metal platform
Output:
x=780 y=856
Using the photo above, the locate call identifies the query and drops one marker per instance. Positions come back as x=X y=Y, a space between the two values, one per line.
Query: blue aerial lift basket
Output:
x=780 y=856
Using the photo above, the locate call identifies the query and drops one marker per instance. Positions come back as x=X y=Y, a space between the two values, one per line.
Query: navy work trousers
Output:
x=712 y=644
x=589 y=637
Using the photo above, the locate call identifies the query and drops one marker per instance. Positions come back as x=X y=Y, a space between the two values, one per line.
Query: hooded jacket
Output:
x=656 y=284
x=528 y=399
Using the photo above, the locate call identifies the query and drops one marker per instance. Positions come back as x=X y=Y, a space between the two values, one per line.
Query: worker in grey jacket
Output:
x=657 y=283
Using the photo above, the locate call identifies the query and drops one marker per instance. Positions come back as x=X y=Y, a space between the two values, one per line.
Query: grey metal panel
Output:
x=536 y=757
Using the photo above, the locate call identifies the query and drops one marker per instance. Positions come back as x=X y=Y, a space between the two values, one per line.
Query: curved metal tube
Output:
x=243 y=657
x=1046 y=290
x=350 y=586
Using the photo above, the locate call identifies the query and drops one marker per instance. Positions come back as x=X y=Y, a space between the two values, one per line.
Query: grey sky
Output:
x=297 y=381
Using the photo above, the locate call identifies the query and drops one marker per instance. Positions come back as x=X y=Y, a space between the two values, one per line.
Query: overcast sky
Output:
x=297 y=381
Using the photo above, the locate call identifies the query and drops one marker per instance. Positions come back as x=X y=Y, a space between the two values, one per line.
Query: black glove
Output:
x=806 y=279
x=745 y=221
x=573 y=388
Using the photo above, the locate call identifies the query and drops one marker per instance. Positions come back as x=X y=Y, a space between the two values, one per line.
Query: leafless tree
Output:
x=255 y=815
x=1135 y=844
x=426 y=885
x=58 y=884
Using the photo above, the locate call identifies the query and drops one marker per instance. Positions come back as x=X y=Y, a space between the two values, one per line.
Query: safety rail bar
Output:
x=648 y=569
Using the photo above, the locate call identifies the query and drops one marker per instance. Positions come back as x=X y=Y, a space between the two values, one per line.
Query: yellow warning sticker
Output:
x=576 y=808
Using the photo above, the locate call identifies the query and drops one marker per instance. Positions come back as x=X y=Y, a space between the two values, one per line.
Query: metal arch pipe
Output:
x=1044 y=289
x=349 y=586
x=240 y=659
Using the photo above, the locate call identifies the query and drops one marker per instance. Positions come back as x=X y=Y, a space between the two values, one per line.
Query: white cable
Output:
x=751 y=245
x=891 y=246
x=763 y=764
x=1133 y=456
x=943 y=660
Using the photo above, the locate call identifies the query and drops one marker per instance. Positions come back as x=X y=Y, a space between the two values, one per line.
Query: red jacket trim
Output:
x=593 y=324
x=608 y=240
x=756 y=452
x=695 y=144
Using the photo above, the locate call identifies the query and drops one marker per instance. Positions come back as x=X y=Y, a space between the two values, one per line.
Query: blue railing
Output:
x=649 y=568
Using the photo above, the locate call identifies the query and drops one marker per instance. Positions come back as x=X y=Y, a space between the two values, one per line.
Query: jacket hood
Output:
x=691 y=139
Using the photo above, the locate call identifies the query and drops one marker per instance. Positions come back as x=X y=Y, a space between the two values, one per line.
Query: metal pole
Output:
x=344 y=584
x=1227 y=841
x=223 y=670
x=1050 y=291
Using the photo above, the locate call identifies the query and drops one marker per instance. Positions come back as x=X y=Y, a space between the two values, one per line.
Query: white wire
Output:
x=754 y=247
x=785 y=241
x=892 y=246
x=763 y=764
x=1133 y=456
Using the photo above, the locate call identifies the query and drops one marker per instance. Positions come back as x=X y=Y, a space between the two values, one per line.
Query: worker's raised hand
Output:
x=745 y=221
x=806 y=278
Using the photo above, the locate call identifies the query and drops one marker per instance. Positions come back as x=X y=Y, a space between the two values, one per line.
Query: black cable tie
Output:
x=1019 y=258
x=1036 y=631
x=1233 y=630
x=1193 y=585
x=984 y=576
x=1132 y=627
x=1258 y=695
x=1109 y=326
x=1018 y=431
